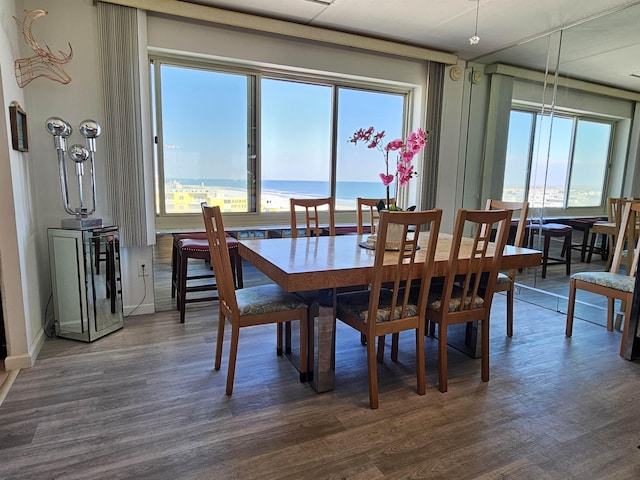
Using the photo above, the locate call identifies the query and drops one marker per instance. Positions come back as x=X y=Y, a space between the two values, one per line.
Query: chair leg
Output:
x=287 y=337
x=96 y=251
x=304 y=356
x=174 y=268
x=592 y=245
x=111 y=274
x=572 y=301
x=567 y=249
x=373 y=373
x=510 y=299
x=233 y=354
x=610 y=311
x=625 y=341
x=618 y=323
x=220 y=339
x=484 y=345
x=545 y=255
x=395 y=340
x=279 y=333
x=380 y=348
x=443 y=373
x=182 y=284
x=421 y=381
x=432 y=328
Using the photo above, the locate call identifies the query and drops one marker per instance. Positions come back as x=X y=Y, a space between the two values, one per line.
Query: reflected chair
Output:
x=506 y=281
x=311 y=207
x=368 y=206
x=466 y=298
x=548 y=231
x=379 y=311
x=612 y=284
x=607 y=229
x=250 y=306
x=113 y=280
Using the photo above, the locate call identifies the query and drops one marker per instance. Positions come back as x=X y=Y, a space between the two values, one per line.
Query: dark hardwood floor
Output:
x=146 y=403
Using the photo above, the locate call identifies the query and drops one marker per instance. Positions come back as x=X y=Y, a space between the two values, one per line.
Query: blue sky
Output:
x=589 y=153
x=205 y=127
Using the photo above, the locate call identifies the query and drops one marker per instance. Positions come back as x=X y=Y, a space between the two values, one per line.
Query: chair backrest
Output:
x=405 y=273
x=522 y=207
x=370 y=206
x=614 y=209
x=312 y=218
x=627 y=236
x=220 y=260
x=484 y=257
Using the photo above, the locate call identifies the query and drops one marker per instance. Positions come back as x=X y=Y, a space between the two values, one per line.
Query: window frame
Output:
x=576 y=117
x=255 y=75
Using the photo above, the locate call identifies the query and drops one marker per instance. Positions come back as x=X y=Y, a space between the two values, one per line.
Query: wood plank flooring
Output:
x=146 y=403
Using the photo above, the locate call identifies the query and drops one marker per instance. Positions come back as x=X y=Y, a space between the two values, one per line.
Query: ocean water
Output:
x=345 y=191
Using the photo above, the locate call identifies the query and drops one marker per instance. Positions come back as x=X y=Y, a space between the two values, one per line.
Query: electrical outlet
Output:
x=142 y=269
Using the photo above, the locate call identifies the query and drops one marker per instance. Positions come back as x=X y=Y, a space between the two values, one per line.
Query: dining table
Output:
x=320 y=266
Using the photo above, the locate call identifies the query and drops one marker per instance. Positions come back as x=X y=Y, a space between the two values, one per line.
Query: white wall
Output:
x=78 y=100
x=30 y=196
x=23 y=298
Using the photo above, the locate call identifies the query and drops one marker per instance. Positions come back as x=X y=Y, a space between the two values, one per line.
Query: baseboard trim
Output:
x=26 y=360
x=16 y=362
x=142 y=309
x=6 y=385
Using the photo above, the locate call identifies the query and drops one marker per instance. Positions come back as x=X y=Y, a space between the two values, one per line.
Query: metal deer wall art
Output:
x=44 y=63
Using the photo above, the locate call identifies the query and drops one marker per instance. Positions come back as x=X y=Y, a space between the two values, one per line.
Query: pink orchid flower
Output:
x=386 y=179
x=408 y=149
x=394 y=145
x=405 y=172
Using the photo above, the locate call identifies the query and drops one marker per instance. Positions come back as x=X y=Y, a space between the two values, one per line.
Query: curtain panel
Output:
x=118 y=39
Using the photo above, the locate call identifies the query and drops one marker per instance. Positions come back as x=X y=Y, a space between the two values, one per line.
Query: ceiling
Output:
x=600 y=42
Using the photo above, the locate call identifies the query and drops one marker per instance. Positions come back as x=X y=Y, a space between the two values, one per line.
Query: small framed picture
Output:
x=19 y=136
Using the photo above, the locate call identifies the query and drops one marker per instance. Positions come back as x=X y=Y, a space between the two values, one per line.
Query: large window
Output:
x=556 y=162
x=248 y=141
x=203 y=139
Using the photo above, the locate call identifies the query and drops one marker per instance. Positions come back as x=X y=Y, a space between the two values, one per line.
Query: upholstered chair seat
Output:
x=617 y=281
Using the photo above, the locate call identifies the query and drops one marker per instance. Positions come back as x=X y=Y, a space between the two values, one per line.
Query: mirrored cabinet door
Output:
x=85 y=277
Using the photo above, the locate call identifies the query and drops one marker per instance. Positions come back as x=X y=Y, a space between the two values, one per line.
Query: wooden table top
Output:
x=299 y=264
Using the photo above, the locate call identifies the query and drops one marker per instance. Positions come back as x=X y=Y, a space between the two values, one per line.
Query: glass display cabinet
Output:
x=85 y=278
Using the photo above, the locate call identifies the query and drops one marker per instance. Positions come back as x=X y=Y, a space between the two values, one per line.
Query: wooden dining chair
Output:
x=466 y=298
x=379 y=311
x=368 y=207
x=312 y=208
x=612 y=284
x=506 y=281
x=249 y=306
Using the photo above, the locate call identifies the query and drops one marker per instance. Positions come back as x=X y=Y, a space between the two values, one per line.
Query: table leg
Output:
x=322 y=342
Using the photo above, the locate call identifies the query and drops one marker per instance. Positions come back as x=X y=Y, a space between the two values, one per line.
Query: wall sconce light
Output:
x=475 y=39
x=79 y=154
